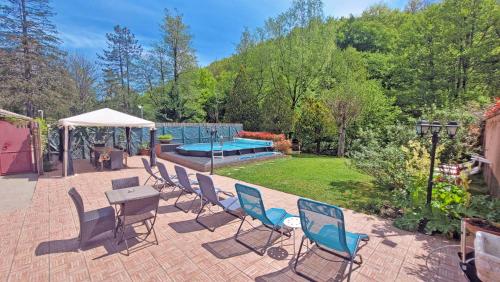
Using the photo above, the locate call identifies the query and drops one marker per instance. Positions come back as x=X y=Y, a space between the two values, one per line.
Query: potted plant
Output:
x=144 y=149
x=165 y=138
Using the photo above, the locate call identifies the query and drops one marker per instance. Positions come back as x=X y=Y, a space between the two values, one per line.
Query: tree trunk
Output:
x=341 y=145
x=26 y=60
x=318 y=147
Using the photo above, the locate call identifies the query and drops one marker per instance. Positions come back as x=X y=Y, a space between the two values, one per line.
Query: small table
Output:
x=121 y=196
x=293 y=223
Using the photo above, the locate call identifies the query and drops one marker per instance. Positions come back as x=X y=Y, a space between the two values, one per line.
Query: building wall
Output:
x=492 y=153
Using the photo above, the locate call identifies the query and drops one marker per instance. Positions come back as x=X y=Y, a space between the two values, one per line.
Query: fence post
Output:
x=199 y=134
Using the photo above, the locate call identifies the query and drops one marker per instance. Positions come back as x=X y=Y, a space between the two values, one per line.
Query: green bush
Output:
x=386 y=165
x=449 y=204
x=44 y=131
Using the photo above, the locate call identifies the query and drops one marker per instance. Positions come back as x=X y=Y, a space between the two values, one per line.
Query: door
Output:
x=15 y=149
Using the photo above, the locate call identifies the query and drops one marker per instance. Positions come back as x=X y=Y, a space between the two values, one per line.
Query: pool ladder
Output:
x=218 y=154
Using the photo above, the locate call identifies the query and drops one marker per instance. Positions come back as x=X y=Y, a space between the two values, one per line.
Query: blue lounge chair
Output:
x=253 y=206
x=323 y=225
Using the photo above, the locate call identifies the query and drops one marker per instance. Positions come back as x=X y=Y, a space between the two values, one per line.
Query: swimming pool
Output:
x=239 y=146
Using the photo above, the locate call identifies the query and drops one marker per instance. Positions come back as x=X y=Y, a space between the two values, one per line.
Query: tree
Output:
x=119 y=62
x=31 y=64
x=347 y=91
x=315 y=123
x=84 y=77
x=300 y=50
x=242 y=105
x=181 y=58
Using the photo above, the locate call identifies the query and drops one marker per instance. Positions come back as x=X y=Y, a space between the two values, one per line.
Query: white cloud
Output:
x=77 y=38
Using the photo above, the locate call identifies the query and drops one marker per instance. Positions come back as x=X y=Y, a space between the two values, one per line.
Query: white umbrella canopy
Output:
x=106 y=118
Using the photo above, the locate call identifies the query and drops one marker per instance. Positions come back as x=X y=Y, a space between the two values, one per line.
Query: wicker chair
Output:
x=94 y=222
x=123 y=183
x=115 y=160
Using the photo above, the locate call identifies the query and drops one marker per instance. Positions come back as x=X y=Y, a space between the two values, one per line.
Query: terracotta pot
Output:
x=144 y=152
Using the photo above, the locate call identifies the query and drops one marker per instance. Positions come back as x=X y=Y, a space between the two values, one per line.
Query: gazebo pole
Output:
x=127 y=136
x=65 y=161
x=152 y=141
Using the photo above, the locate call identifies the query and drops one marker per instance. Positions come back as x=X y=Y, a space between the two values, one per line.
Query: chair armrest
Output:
x=225 y=192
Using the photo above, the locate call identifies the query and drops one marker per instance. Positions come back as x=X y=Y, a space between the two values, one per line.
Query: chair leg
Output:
x=351 y=262
x=239 y=228
x=201 y=223
x=192 y=203
x=175 y=204
x=298 y=254
x=268 y=243
x=154 y=233
x=147 y=179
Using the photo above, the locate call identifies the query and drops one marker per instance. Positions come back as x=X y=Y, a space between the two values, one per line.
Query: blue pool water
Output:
x=236 y=145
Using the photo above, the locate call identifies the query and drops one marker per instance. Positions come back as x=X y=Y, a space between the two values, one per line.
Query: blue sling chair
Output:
x=323 y=225
x=253 y=206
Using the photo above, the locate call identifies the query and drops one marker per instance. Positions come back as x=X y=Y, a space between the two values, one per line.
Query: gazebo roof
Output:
x=106 y=118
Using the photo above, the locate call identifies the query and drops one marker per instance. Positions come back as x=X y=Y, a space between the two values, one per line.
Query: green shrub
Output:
x=144 y=146
x=449 y=204
x=166 y=137
x=386 y=165
x=410 y=221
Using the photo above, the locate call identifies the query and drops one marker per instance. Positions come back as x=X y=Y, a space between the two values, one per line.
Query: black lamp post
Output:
x=213 y=132
x=423 y=127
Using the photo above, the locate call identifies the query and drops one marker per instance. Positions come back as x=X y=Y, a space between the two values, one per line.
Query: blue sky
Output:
x=216 y=25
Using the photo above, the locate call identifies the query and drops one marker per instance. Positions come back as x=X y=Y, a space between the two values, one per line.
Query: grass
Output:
x=321 y=178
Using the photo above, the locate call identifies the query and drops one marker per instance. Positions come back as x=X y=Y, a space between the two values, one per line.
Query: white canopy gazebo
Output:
x=104 y=118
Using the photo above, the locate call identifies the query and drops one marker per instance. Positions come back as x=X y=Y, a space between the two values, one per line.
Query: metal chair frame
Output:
x=150 y=229
x=350 y=258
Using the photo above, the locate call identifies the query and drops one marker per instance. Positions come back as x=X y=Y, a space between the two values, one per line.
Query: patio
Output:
x=39 y=242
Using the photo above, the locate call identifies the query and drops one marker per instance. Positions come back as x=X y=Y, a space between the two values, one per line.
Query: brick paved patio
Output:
x=39 y=243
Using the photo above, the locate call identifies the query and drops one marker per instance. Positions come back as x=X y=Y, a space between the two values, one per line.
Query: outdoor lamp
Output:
x=451 y=128
x=422 y=127
x=435 y=127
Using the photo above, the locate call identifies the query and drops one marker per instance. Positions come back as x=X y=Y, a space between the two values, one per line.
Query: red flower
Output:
x=493 y=110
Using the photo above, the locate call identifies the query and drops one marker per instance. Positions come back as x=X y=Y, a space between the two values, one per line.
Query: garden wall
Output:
x=185 y=133
x=492 y=153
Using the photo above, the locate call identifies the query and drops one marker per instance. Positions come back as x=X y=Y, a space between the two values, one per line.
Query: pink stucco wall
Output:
x=492 y=153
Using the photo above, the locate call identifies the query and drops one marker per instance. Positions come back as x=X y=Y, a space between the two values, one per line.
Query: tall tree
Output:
x=347 y=91
x=242 y=104
x=177 y=46
x=315 y=123
x=30 y=61
x=119 y=63
x=83 y=73
x=176 y=58
x=302 y=46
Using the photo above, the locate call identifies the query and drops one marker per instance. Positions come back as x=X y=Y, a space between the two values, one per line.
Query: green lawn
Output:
x=326 y=179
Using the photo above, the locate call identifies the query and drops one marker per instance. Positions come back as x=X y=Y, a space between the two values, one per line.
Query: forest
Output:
x=336 y=84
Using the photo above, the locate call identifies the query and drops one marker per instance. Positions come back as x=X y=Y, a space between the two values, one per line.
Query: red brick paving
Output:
x=39 y=243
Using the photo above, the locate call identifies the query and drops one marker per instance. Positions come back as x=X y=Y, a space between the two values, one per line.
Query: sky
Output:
x=216 y=25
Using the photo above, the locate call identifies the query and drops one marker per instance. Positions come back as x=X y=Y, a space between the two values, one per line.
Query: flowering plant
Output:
x=262 y=135
x=493 y=109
